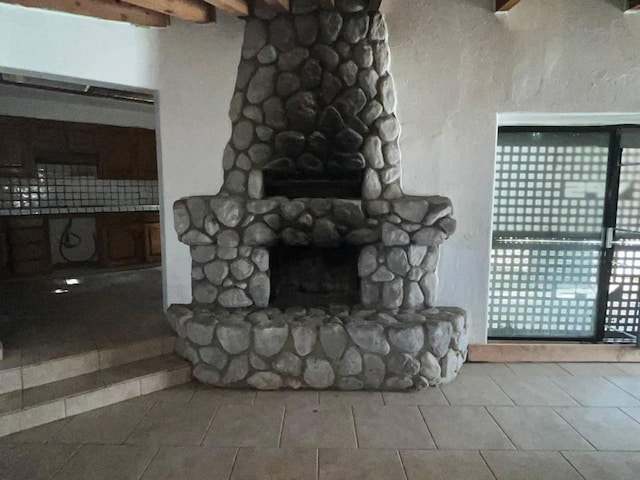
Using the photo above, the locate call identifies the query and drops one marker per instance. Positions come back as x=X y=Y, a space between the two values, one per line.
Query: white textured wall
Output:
x=456 y=66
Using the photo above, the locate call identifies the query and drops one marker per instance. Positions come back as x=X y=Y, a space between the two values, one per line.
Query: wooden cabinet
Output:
x=128 y=239
x=29 y=245
x=16 y=159
x=117 y=155
x=147 y=157
x=48 y=136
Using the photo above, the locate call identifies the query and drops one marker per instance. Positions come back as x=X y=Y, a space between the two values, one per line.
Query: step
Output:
x=14 y=376
x=28 y=408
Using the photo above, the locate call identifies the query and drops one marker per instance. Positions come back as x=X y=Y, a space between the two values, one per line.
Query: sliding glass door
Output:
x=551 y=266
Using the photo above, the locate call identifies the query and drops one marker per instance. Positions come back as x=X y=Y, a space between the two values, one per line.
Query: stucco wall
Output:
x=456 y=65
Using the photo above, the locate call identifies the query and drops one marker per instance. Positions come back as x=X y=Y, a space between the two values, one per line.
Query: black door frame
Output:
x=610 y=211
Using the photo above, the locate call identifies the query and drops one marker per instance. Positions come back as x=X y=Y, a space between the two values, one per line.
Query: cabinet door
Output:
x=153 y=246
x=121 y=245
x=48 y=136
x=117 y=155
x=147 y=155
x=14 y=151
x=84 y=139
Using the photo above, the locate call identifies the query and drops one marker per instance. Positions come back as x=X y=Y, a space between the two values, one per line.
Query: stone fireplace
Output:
x=310 y=267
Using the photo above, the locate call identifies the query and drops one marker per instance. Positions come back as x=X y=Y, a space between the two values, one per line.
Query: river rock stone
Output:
x=327 y=56
x=262 y=85
x=199 y=333
x=197 y=210
x=351 y=101
x=181 y=218
x=374 y=370
x=270 y=340
x=206 y=374
x=333 y=339
x=349 y=73
x=237 y=370
x=381 y=57
x=265 y=381
x=290 y=143
x=282 y=34
x=307 y=29
x=234 y=298
x=392 y=235
x=260 y=289
x=403 y=364
x=233 y=338
x=363 y=55
x=268 y=54
x=429 y=236
x=369 y=336
x=348 y=140
x=439 y=338
x=387 y=91
x=304 y=339
x=259 y=234
x=235 y=181
x=383 y=274
x=255 y=37
x=351 y=363
x=355 y=28
x=393 y=294
x=429 y=367
x=378 y=28
x=311 y=74
x=204 y=293
x=318 y=373
x=214 y=356
x=288 y=364
x=241 y=269
x=388 y=127
x=330 y=26
x=372 y=112
x=397 y=261
x=414 y=296
x=407 y=339
x=216 y=272
x=274 y=114
x=301 y=111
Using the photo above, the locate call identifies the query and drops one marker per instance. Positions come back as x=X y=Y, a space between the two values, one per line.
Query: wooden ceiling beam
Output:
x=632 y=5
x=105 y=9
x=374 y=5
x=234 y=7
x=190 y=10
x=282 y=5
x=505 y=5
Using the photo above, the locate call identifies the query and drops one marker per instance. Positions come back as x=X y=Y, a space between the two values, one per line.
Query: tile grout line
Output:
x=487 y=464
x=561 y=452
x=284 y=413
x=317 y=464
x=208 y=429
x=625 y=413
x=404 y=468
x=574 y=428
x=500 y=427
x=73 y=454
x=155 y=454
x=355 y=429
x=433 y=439
x=153 y=404
x=621 y=388
x=233 y=464
x=567 y=393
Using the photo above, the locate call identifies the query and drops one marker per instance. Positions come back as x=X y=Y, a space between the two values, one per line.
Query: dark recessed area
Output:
x=314 y=276
x=348 y=185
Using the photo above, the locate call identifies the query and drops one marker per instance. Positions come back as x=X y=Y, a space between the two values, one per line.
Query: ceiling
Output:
x=158 y=13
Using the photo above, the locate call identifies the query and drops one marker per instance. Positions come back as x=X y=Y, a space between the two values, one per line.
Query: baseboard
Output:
x=552 y=352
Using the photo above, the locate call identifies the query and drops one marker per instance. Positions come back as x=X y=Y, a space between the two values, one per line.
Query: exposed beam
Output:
x=505 y=5
x=106 y=9
x=190 y=10
x=282 y=5
x=234 y=7
x=374 y=5
x=633 y=5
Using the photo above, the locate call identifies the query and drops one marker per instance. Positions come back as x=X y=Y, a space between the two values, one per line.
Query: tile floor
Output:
x=499 y=421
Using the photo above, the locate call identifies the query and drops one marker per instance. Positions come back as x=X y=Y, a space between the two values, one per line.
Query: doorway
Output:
x=565 y=261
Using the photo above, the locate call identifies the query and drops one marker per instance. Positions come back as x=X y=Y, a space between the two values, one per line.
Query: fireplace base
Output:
x=333 y=348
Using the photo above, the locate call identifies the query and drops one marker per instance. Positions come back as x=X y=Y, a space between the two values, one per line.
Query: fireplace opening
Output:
x=345 y=185
x=314 y=276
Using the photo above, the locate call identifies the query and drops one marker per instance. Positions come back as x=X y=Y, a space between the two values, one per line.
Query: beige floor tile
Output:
x=219 y=396
x=596 y=392
x=533 y=391
x=605 y=465
x=464 y=428
x=246 y=426
x=33 y=462
x=107 y=462
x=289 y=398
x=628 y=384
x=537 y=428
x=605 y=428
x=479 y=390
x=165 y=424
x=322 y=426
x=41 y=434
x=538 y=369
x=630 y=368
x=397 y=426
x=426 y=396
x=529 y=466
x=191 y=463
x=592 y=369
x=275 y=464
x=633 y=413
x=485 y=369
x=444 y=465
x=348 y=399
x=359 y=464
x=109 y=425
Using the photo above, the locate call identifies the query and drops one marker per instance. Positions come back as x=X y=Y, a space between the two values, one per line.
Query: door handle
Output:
x=608 y=239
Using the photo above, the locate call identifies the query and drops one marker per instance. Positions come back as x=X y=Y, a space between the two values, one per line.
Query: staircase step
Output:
x=14 y=376
x=23 y=409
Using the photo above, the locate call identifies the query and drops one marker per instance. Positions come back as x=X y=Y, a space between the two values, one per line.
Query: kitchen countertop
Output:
x=14 y=212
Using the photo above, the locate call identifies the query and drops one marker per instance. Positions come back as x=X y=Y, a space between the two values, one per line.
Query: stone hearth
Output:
x=313 y=117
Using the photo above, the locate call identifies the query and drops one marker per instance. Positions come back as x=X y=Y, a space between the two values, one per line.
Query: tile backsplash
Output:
x=59 y=189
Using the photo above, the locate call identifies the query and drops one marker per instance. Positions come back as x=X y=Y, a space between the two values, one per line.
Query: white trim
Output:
x=515 y=119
